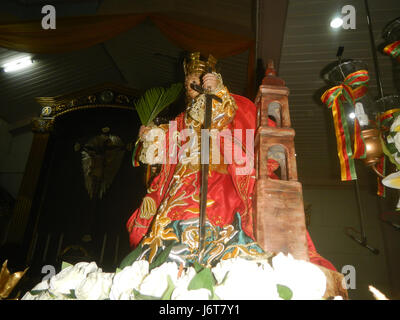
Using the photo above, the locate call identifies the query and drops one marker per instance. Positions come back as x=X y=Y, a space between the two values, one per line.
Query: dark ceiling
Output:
x=295 y=33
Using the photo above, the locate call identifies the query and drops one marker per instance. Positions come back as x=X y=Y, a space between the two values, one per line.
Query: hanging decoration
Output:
x=353 y=87
x=393 y=50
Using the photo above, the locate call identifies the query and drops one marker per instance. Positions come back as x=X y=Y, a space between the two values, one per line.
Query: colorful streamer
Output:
x=353 y=87
x=393 y=50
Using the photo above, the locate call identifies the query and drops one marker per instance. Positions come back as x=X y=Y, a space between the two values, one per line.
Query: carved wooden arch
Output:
x=107 y=95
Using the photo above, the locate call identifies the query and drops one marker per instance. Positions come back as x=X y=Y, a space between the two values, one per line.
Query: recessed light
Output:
x=336 y=23
x=17 y=64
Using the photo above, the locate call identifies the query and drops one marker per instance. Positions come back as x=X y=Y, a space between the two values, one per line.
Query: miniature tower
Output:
x=279 y=219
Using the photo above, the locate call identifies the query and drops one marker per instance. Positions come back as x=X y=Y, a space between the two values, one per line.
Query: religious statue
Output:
x=167 y=222
x=101 y=159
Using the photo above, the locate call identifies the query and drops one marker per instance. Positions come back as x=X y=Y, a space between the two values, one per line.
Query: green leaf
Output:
x=71 y=295
x=139 y=296
x=392 y=148
x=118 y=270
x=131 y=257
x=156 y=100
x=388 y=154
x=65 y=265
x=284 y=292
x=224 y=279
x=168 y=292
x=213 y=296
x=162 y=257
x=197 y=266
x=203 y=279
x=37 y=292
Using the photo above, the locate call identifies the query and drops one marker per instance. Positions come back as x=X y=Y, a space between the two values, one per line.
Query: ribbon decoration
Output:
x=136 y=154
x=353 y=87
x=381 y=168
x=393 y=50
x=387 y=117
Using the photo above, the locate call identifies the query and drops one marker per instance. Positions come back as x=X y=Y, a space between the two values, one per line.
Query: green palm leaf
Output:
x=156 y=100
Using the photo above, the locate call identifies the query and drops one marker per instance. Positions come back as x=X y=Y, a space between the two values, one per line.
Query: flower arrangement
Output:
x=393 y=142
x=391 y=148
x=281 y=278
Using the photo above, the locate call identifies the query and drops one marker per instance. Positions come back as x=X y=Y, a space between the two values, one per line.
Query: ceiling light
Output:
x=18 y=64
x=336 y=22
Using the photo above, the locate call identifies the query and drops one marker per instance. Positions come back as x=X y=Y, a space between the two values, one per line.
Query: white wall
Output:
x=14 y=151
x=333 y=209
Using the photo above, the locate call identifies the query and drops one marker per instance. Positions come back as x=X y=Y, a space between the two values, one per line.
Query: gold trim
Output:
x=84 y=107
x=87 y=93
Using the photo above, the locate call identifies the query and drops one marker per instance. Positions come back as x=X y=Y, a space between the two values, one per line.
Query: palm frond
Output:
x=156 y=100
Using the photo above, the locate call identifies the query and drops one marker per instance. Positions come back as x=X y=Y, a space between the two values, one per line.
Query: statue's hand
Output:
x=210 y=81
x=143 y=129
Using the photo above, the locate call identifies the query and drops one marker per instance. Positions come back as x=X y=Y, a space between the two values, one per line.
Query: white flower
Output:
x=28 y=296
x=222 y=268
x=303 y=278
x=96 y=286
x=181 y=293
x=155 y=283
x=185 y=278
x=396 y=139
x=128 y=279
x=44 y=285
x=245 y=280
x=45 y=295
x=392 y=180
x=69 y=278
x=395 y=124
x=395 y=128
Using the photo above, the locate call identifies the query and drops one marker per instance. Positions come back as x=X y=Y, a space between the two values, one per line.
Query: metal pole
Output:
x=360 y=211
x=373 y=48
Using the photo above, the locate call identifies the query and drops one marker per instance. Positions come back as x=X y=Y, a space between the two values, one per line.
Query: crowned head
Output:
x=195 y=67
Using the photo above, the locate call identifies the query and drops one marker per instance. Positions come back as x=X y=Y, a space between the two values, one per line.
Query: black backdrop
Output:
x=62 y=204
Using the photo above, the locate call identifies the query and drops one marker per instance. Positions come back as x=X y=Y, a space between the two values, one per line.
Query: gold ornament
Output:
x=8 y=281
x=195 y=65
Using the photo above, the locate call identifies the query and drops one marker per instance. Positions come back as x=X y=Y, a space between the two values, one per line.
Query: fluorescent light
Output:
x=336 y=22
x=18 y=64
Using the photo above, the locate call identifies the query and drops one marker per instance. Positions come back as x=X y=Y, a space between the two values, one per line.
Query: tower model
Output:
x=279 y=218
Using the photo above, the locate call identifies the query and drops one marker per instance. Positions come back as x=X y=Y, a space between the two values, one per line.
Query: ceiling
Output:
x=309 y=45
x=295 y=33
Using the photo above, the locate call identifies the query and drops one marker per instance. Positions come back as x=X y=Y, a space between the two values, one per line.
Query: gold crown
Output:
x=194 y=64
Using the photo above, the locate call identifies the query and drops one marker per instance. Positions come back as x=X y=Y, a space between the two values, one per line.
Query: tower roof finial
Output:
x=271 y=75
